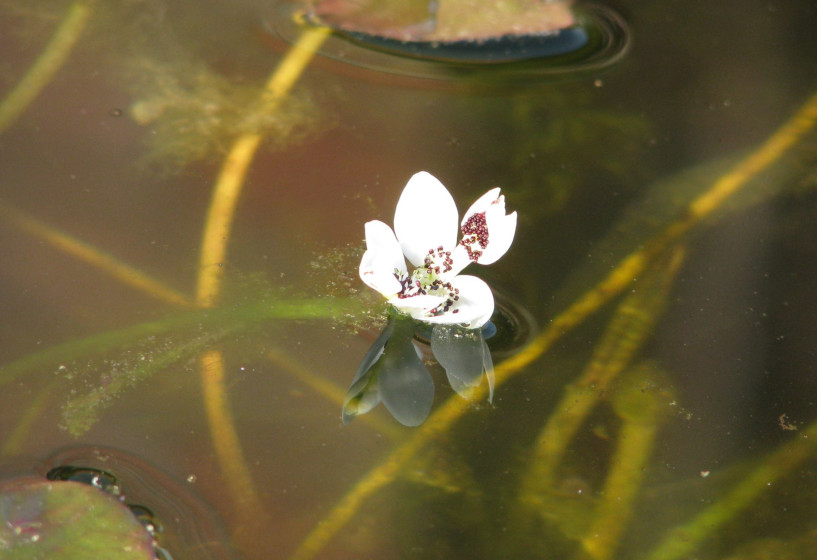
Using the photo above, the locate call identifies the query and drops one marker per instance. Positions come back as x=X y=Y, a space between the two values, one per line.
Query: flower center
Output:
x=429 y=279
x=475 y=232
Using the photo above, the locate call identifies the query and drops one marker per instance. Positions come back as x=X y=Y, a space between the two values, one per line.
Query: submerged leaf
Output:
x=67 y=520
x=464 y=355
x=406 y=386
x=393 y=372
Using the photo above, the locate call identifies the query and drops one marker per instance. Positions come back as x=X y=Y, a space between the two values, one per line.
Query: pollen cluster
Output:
x=475 y=232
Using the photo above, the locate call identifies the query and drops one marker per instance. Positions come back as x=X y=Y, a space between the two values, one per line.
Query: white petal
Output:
x=483 y=203
x=383 y=257
x=459 y=260
x=474 y=306
x=500 y=228
x=426 y=218
x=417 y=306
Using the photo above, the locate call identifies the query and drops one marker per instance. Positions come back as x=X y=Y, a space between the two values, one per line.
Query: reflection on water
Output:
x=659 y=405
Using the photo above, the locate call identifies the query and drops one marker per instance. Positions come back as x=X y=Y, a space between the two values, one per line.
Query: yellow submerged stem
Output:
x=629 y=329
x=621 y=277
x=214 y=243
x=16 y=441
x=641 y=399
x=112 y=266
x=225 y=438
x=683 y=541
x=47 y=64
x=234 y=169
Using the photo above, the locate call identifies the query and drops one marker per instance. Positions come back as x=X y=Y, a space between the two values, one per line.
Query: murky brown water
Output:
x=119 y=154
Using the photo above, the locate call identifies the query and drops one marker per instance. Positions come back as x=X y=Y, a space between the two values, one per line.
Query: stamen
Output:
x=475 y=231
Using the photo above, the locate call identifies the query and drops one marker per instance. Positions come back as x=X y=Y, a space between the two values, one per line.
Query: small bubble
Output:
x=191 y=478
x=115 y=112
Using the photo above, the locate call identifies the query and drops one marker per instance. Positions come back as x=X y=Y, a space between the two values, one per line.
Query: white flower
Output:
x=426 y=223
x=456 y=305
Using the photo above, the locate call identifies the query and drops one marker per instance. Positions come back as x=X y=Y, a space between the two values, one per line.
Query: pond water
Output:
x=655 y=357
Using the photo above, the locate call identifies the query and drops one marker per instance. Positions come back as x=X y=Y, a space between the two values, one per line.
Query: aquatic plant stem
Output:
x=225 y=439
x=243 y=317
x=87 y=253
x=629 y=329
x=22 y=428
x=682 y=542
x=641 y=398
x=216 y=236
x=234 y=169
x=50 y=60
x=612 y=285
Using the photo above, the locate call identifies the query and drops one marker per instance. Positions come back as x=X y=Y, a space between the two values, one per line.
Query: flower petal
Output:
x=417 y=306
x=426 y=218
x=487 y=232
x=461 y=352
x=382 y=259
x=474 y=306
x=502 y=228
x=483 y=203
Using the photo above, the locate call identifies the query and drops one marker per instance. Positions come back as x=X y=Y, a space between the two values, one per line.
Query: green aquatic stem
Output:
x=80 y=413
x=631 y=326
x=683 y=541
x=47 y=64
x=641 y=399
x=239 y=317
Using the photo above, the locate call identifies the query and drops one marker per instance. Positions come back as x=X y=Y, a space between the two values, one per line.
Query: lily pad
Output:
x=50 y=520
x=444 y=20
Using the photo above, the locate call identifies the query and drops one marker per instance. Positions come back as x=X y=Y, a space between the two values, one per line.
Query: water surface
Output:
x=713 y=371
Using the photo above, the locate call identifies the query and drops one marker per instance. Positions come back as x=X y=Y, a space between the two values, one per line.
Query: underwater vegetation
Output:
x=564 y=446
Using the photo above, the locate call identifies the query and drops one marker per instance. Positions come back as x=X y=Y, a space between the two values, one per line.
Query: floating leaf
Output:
x=448 y=20
x=67 y=520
